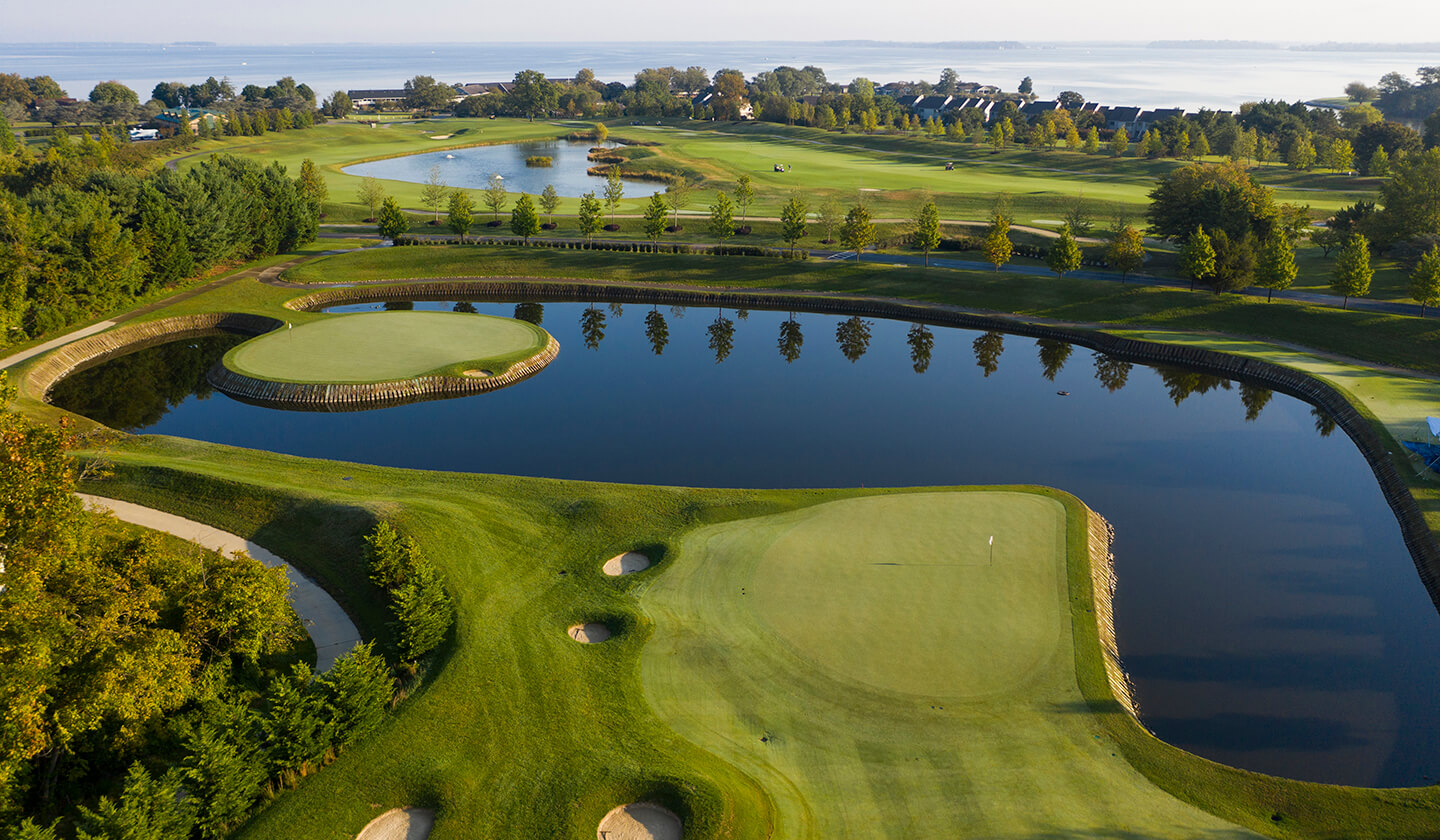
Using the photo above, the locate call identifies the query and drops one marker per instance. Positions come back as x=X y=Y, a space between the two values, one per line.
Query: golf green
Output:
x=871 y=665
x=385 y=346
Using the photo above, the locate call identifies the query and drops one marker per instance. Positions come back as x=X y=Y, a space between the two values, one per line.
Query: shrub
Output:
x=539 y=160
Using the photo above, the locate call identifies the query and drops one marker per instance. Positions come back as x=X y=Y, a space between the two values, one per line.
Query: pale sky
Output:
x=319 y=21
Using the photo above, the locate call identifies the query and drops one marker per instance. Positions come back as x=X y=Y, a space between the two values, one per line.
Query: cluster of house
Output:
x=394 y=98
x=1133 y=120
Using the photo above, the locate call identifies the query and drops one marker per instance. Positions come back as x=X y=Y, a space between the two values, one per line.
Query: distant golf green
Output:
x=871 y=665
x=385 y=346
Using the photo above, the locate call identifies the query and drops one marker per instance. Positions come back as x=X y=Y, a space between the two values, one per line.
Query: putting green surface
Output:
x=880 y=675
x=384 y=346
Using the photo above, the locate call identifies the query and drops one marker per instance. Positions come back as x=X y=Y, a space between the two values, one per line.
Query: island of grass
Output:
x=375 y=357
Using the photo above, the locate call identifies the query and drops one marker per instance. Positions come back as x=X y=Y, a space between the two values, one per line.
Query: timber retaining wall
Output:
x=1101 y=536
x=1419 y=540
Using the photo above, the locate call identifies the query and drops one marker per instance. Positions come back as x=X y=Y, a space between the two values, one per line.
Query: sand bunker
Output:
x=441 y=136
x=402 y=824
x=589 y=634
x=478 y=374
x=627 y=563
x=640 y=821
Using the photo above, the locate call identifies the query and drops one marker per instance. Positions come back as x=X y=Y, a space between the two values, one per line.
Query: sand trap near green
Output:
x=880 y=675
x=385 y=346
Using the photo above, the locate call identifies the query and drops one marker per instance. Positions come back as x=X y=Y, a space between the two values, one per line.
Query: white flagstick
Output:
x=992 y=548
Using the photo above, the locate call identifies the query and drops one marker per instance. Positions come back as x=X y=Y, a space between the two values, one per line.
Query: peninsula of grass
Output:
x=372 y=347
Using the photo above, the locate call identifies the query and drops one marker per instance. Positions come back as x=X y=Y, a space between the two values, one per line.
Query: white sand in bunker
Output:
x=627 y=563
x=589 y=634
x=640 y=821
x=401 y=824
x=478 y=374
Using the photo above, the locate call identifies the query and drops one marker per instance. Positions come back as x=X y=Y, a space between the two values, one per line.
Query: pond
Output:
x=471 y=168
x=1267 y=609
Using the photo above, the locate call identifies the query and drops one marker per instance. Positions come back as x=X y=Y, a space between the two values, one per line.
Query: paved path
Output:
x=331 y=630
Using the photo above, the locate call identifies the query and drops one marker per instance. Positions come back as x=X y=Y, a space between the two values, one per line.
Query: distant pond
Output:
x=471 y=168
x=1267 y=611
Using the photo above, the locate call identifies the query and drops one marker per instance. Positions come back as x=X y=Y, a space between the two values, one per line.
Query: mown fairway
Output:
x=882 y=677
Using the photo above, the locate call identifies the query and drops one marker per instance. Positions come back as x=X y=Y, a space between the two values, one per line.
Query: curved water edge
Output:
x=470 y=167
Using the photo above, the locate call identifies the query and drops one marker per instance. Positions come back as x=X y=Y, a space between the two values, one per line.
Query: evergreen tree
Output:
x=1201 y=147
x=1352 y=271
x=1425 y=280
x=1064 y=256
x=1197 y=257
x=926 y=235
x=223 y=772
x=148 y=809
x=1127 y=252
x=160 y=237
x=461 y=215
x=1276 y=269
x=524 y=220
x=357 y=690
x=392 y=220
x=297 y=728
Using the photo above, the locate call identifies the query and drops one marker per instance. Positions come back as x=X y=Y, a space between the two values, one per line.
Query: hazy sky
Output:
x=311 y=21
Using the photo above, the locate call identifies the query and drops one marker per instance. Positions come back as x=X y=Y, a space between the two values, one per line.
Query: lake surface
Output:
x=1111 y=73
x=473 y=167
x=1267 y=610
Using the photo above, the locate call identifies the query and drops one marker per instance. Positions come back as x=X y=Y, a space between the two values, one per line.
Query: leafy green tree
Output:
x=1425 y=280
x=461 y=216
x=1126 y=252
x=1276 y=269
x=424 y=94
x=1217 y=197
x=614 y=190
x=338 y=105
x=1111 y=372
x=997 y=137
x=722 y=217
x=655 y=212
x=524 y=220
x=432 y=195
x=495 y=195
x=113 y=93
x=589 y=215
x=8 y=143
x=161 y=238
x=793 y=221
x=371 y=194
x=1379 y=163
x=831 y=216
x=1254 y=398
x=744 y=195
x=312 y=184
x=1064 y=256
x=1119 y=143
x=392 y=220
x=678 y=195
x=1092 y=141
x=1197 y=257
x=549 y=202
x=1151 y=144
x=926 y=235
x=532 y=94
x=602 y=131
x=997 y=246
x=1352 y=272
x=1340 y=156
x=1201 y=147
x=858 y=231
x=1301 y=155
x=1411 y=198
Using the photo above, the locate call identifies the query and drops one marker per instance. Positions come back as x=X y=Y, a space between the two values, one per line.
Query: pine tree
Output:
x=1064 y=256
x=297 y=727
x=1201 y=147
x=1352 y=271
x=312 y=184
x=1425 y=280
x=148 y=809
x=1276 y=268
x=357 y=690
x=392 y=220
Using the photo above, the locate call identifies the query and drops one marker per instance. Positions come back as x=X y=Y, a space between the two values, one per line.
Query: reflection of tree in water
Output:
x=853 y=336
x=532 y=312
x=988 y=348
x=1324 y=423
x=791 y=339
x=657 y=331
x=1255 y=399
x=133 y=392
x=1182 y=384
x=677 y=312
x=466 y=307
x=398 y=305
x=592 y=327
x=1053 y=355
x=742 y=314
x=921 y=342
x=616 y=309
x=722 y=337
x=1112 y=372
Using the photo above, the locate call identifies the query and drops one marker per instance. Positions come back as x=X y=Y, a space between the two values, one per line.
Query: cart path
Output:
x=331 y=630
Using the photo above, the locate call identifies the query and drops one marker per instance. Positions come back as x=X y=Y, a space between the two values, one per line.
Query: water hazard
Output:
x=471 y=168
x=1267 y=610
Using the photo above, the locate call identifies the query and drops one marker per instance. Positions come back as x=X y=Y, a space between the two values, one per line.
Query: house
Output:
x=387 y=98
x=747 y=111
x=482 y=88
x=1031 y=110
x=982 y=105
x=931 y=107
x=1149 y=119
x=189 y=117
x=1118 y=118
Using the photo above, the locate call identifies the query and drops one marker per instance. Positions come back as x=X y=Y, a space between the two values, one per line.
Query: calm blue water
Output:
x=473 y=167
x=1267 y=610
x=1115 y=74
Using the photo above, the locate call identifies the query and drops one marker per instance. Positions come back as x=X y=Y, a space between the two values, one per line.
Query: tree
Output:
x=1425 y=280
x=1111 y=372
x=148 y=809
x=1340 y=156
x=1301 y=155
x=1026 y=87
x=461 y=216
x=312 y=185
x=392 y=220
x=1379 y=165
x=592 y=327
x=948 y=79
x=371 y=193
x=1215 y=196
x=1092 y=141
x=678 y=194
x=223 y=770
x=1197 y=257
x=793 y=221
x=997 y=247
x=722 y=217
x=1119 y=143
x=858 y=231
x=338 y=105
x=655 y=213
x=1352 y=272
x=549 y=202
x=589 y=216
x=1360 y=92
x=424 y=94
x=926 y=235
x=113 y=93
x=532 y=94
x=357 y=690
x=744 y=195
x=495 y=196
x=432 y=195
x=1126 y=252
x=524 y=221
x=614 y=190
x=1276 y=270
x=830 y=217
x=602 y=132
x=1412 y=199
x=922 y=344
x=1064 y=256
